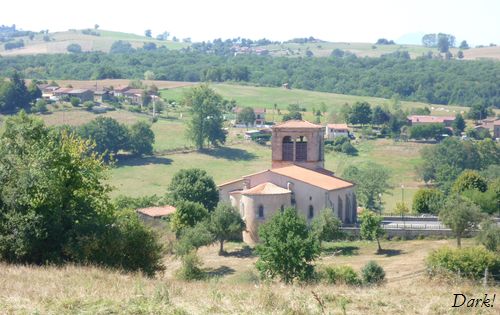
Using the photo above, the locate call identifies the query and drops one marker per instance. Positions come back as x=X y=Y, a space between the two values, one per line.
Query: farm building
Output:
x=337 y=130
x=415 y=120
x=82 y=94
x=297 y=178
x=490 y=124
x=260 y=116
x=155 y=213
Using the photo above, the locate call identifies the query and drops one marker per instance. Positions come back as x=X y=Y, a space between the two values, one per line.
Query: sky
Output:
x=476 y=21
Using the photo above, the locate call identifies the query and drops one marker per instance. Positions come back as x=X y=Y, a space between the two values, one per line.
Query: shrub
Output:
x=342 y=275
x=75 y=101
x=190 y=269
x=466 y=262
x=88 y=105
x=349 y=149
x=373 y=273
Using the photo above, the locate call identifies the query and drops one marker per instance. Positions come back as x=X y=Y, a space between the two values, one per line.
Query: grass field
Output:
x=266 y=97
x=233 y=287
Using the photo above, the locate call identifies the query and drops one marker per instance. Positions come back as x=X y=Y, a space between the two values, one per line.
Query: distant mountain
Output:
x=411 y=38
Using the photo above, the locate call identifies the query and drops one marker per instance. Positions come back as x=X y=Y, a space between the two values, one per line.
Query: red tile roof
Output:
x=297 y=124
x=338 y=126
x=429 y=119
x=315 y=178
x=265 y=189
x=157 y=211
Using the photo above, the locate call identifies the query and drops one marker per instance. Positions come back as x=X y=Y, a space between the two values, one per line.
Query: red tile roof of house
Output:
x=297 y=124
x=311 y=177
x=265 y=189
x=430 y=119
x=338 y=126
x=157 y=211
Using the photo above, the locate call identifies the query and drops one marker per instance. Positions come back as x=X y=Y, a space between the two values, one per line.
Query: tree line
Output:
x=422 y=79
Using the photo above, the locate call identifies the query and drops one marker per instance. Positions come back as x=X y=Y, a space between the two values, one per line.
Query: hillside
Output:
x=60 y=40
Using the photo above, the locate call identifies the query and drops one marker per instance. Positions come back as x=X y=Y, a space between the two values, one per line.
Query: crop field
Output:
x=233 y=287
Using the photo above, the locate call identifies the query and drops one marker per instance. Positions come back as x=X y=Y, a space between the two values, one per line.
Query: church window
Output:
x=282 y=208
x=311 y=212
x=301 y=149
x=261 y=211
x=287 y=147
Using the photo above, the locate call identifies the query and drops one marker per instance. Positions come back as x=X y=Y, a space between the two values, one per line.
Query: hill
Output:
x=59 y=41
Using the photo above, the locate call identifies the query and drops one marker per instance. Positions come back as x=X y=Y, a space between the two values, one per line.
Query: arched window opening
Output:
x=301 y=149
x=287 y=147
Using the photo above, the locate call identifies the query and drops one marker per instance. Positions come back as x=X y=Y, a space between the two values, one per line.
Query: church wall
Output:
x=226 y=189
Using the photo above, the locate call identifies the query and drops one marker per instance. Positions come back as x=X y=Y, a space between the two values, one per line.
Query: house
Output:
x=415 y=120
x=297 y=178
x=337 y=130
x=155 y=213
x=260 y=116
x=491 y=124
x=101 y=96
x=119 y=90
x=82 y=94
x=134 y=96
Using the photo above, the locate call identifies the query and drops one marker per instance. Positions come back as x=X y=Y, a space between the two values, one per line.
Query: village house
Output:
x=102 y=96
x=155 y=213
x=82 y=94
x=260 y=116
x=490 y=124
x=119 y=90
x=297 y=178
x=336 y=130
x=134 y=96
x=415 y=120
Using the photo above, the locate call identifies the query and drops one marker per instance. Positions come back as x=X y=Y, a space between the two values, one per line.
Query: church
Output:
x=297 y=178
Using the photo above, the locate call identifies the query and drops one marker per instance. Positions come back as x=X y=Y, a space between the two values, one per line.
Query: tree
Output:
x=55 y=205
x=371 y=228
x=489 y=235
x=194 y=185
x=428 y=200
x=40 y=106
x=379 y=116
x=292 y=116
x=108 y=134
x=478 y=111
x=326 y=226
x=147 y=33
x=464 y=45
x=460 y=215
x=360 y=113
x=469 y=180
x=141 y=138
x=149 y=75
x=14 y=95
x=287 y=248
x=206 y=122
x=428 y=131
x=121 y=47
x=187 y=214
x=372 y=180
x=74 y=48
x=247 y=116
x=225 y=223
x=429 y=40
x=458 y=124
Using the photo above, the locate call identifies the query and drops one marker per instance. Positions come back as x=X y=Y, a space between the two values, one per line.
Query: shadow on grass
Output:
x=341 y=250
x=127 y=160
x=232 y=154
x=219 y=272
x=390 y=252
x=244 y=252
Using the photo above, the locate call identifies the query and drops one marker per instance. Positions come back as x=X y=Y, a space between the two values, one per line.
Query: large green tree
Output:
x=287 y=248
x=225 y=223
x=108 y=134
x=372 y=181
x=361 y=113
x=14 y=95
x=247 y=116
x=427 y=200
x=194 y=185
x=141 y=138
x=206 y=125
x=327 y=226
x=460 y=215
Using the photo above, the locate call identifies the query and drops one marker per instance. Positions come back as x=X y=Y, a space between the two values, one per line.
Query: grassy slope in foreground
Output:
x=236 y=290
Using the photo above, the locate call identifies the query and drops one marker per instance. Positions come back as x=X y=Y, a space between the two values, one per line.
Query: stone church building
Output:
x=297 y=178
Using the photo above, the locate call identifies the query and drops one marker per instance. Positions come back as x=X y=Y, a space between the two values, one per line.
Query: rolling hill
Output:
x=60 y=40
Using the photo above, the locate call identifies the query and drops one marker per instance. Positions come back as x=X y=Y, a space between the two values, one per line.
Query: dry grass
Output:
x=90 y=290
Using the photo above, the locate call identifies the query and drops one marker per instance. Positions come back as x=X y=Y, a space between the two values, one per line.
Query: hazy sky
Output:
x=477 y=21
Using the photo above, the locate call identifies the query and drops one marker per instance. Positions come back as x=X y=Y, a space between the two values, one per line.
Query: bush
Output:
x=75 y=101
x=342 y=275
x=88 y=105
x=40 y=106
x=466 y=262
x=373 y=273
x=190 y=269
x=74 y=48
x=349 y=149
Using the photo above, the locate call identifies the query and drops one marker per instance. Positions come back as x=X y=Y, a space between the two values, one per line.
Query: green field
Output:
x=266 y=97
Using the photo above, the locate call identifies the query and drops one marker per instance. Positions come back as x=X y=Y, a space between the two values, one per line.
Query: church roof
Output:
x=312 y=177
x=297 y=124
x=265 y=189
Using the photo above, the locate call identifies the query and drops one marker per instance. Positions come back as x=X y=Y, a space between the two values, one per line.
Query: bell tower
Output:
x=298 y=142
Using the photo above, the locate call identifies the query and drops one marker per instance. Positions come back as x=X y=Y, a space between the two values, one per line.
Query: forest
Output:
x=425 y=79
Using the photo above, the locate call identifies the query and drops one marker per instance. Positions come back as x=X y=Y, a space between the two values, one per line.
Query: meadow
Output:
x=233 y=287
